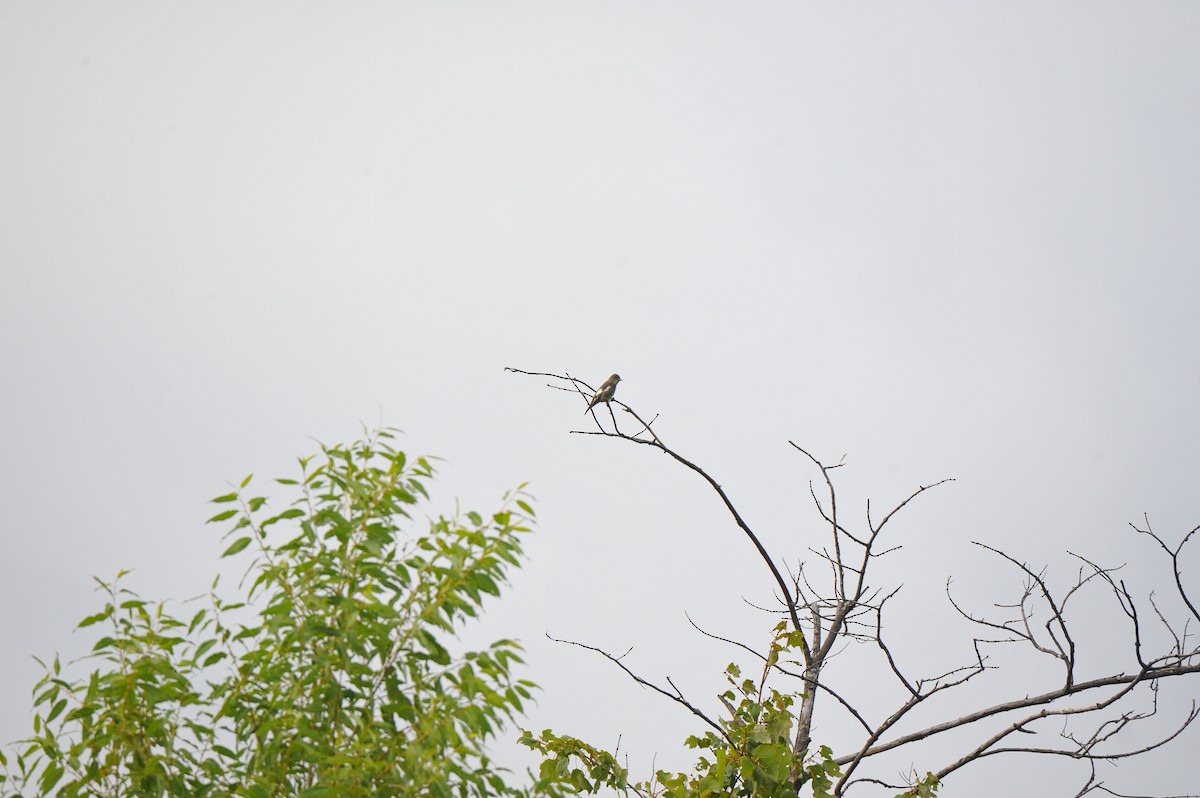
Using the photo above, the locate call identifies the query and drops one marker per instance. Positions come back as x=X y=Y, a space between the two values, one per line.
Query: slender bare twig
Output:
x=1174 y=555
x=1067 y=654
x=1124 y=600
x=677 y=696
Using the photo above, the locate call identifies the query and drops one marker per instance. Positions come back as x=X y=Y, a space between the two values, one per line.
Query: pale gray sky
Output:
x=945 y=238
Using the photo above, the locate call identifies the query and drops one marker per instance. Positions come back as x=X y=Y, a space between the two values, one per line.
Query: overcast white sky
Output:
x=948 y=239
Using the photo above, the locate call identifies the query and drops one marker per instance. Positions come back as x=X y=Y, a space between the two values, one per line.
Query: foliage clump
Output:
x=331 y=674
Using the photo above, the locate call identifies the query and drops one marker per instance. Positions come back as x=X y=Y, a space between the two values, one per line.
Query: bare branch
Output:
x=985 y=749
x=886 y=651
x=657 y=443
x=1121 y=679
x=840 y=575
x=677 y=696
x=1067 y=655
x=1174 y=555
x=1124 y=600
x=904 y=503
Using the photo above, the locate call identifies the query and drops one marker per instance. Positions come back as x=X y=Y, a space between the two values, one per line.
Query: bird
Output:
x=605 y=392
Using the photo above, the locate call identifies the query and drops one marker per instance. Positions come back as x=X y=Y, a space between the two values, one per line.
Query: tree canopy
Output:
x=331 y=671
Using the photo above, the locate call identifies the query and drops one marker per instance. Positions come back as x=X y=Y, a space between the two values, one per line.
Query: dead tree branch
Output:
x=844 y=607
x=676 y=696
x=656 y=442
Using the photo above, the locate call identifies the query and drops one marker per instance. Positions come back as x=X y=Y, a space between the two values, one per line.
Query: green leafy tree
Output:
x=332 y=674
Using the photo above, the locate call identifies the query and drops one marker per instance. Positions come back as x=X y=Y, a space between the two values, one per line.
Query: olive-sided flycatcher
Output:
x=605 y=393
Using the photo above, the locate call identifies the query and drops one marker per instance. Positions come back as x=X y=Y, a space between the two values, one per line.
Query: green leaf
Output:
x=436 y=652
x=228 y=497
x=56 y=710
x=93 y=619
x=50 y=777
x=237 y=546
x=224 y=516
x=775 y=760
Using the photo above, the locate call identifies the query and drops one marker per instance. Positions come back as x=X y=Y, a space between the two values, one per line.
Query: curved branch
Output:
x=839 y=569
x=985 y=749
x=1122 y=679
x=677 y=696
x=788 y=598
x=1066 y=655
x=1174 y=555
x=657 y=443
x=1193 y=713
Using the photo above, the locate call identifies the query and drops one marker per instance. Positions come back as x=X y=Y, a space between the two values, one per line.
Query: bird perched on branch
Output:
x=605 y=393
